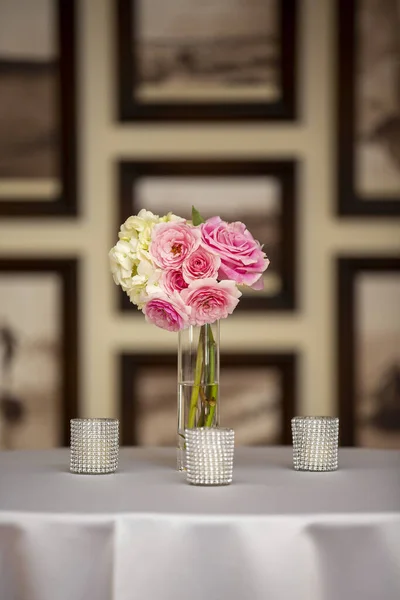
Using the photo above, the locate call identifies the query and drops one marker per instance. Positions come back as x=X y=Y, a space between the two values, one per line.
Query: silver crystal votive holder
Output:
x=94 y=446
x=209 y=455
x=315 y=443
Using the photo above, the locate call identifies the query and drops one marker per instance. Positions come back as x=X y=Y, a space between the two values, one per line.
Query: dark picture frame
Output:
x=284 y=171
x=67 y=270
x=349 y=201
x=131 y=109
x=131 y=363
x=347 y=270
x=65 y=204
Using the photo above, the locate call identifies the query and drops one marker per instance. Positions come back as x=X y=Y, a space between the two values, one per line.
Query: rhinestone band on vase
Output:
x=315 y=443
x=209 y=455
x=94 y=446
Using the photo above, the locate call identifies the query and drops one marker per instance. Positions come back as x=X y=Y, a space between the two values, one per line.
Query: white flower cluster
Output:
x=130 y=261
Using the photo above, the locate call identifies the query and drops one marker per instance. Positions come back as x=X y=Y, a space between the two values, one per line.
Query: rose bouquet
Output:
x=186 y=274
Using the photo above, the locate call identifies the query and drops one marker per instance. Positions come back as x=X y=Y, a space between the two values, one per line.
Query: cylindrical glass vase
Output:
x=198 y=382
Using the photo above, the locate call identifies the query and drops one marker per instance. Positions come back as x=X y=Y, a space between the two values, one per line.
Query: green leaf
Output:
x=196 y=217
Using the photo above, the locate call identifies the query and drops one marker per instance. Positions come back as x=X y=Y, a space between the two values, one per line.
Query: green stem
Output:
x=212 y=400
x=203 y=403
x=197 y=382
x=210 y=416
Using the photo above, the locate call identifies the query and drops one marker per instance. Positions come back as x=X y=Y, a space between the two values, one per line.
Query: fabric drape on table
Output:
x=274 y=533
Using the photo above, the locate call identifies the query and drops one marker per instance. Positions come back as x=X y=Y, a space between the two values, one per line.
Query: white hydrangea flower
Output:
x=137 y=292
x=139 y=224
x=140 y=227
x=147 y=215
x=123 y=262
x=171 y=217
x=144 y=283
x=130 y=260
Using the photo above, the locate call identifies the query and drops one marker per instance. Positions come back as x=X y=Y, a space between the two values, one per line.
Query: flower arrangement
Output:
x=182 y=273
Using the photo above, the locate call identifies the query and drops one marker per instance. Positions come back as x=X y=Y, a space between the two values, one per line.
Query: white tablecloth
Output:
x=144 y=534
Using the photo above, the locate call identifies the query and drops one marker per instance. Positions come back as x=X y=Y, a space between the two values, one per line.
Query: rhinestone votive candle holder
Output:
x=209 y=455
x=94 y=446
x=315 y=443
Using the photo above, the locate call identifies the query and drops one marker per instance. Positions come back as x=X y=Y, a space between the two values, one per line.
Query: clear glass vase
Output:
x=198 y=382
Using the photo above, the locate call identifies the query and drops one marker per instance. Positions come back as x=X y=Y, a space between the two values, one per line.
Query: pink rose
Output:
x=172 y=242
x=167 y=312
x=201 y=264
x=242 y=258
x=210 y=300
x=172 y=280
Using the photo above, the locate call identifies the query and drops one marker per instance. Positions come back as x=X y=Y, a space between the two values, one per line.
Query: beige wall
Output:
x=104 y=332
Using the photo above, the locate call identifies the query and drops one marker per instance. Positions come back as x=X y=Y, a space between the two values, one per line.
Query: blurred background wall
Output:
x=68 y=349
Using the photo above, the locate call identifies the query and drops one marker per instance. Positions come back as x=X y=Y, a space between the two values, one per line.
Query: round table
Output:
x=143 y=533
